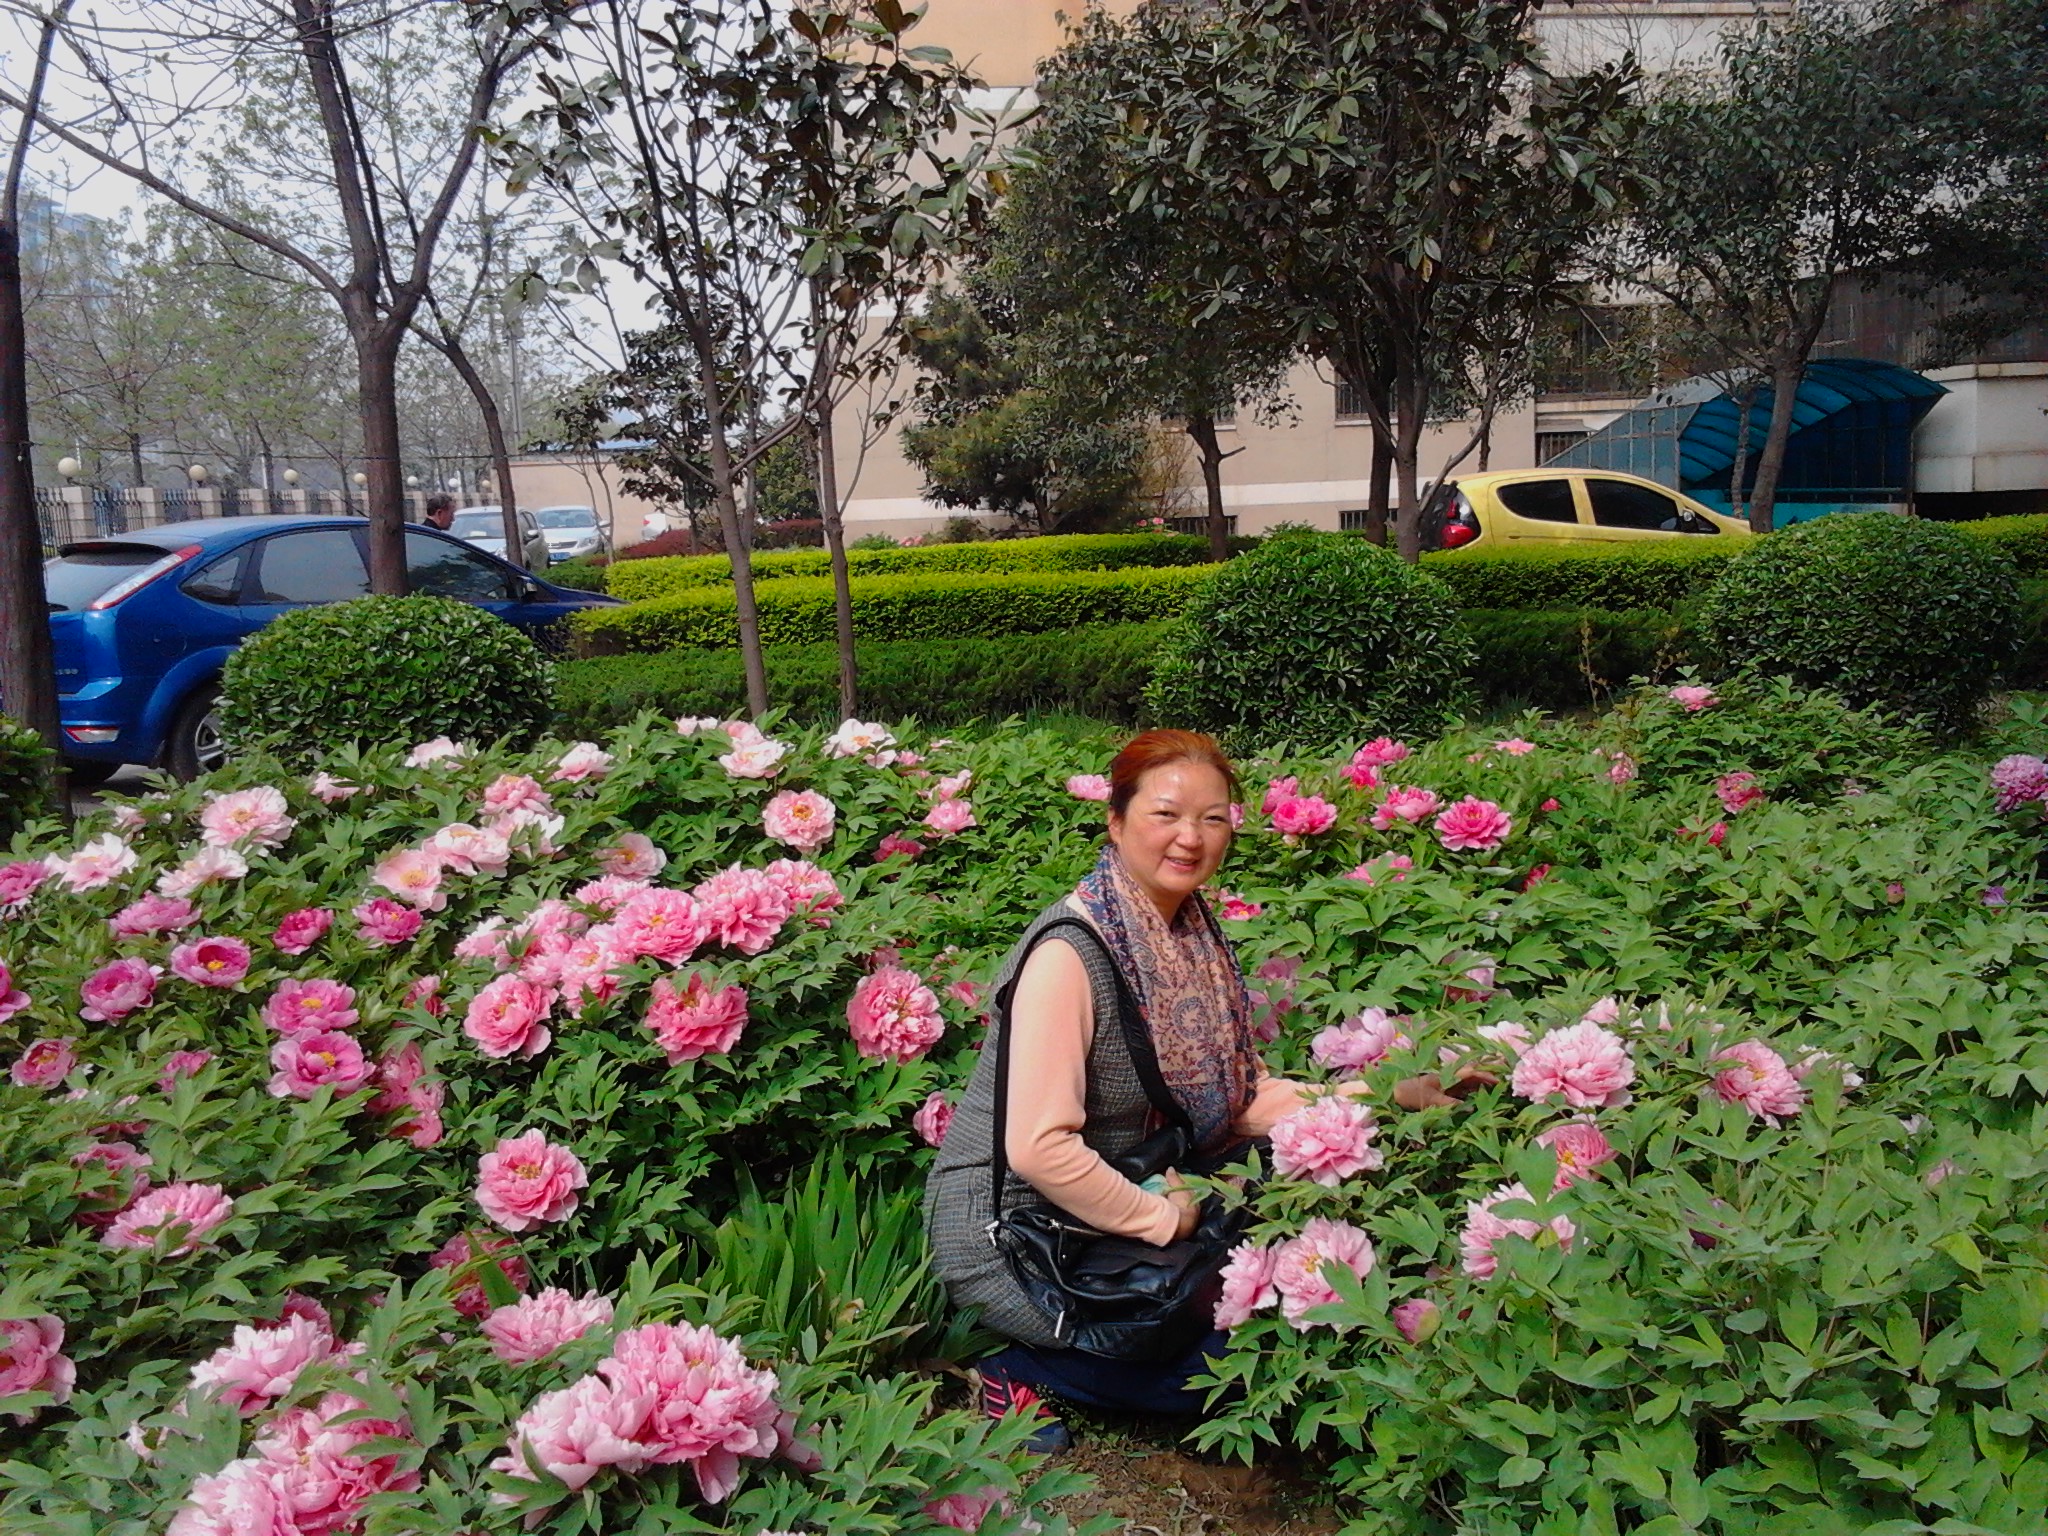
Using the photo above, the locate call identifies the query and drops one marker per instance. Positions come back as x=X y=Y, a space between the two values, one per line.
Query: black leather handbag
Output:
x=1120 y=1297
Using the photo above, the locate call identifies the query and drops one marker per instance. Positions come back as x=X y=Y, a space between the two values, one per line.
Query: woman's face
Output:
x=1176 y=831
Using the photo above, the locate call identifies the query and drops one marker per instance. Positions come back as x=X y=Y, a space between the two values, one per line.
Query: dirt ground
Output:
x=1157 y=1490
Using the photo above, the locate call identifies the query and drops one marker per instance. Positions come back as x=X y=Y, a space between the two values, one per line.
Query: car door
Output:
x=1624 y=511
x=1543 y=509
x=303 y=566
x=447 y=567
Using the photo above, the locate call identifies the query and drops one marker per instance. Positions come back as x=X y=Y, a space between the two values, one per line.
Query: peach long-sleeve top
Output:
x=1052 y=1027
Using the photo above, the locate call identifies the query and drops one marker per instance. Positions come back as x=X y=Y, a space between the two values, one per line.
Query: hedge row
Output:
x=798 y=611
x=635 y=580
x=1612 y=577
x=2023 y=539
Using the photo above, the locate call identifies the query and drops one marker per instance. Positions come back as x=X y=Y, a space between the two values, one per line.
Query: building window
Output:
x=1351 y=403
x=1550 y=444
x=1226 y=415
x=1352 y=520
x=1199 y=525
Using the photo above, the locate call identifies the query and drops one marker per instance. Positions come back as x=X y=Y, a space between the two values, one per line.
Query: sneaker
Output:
x=1000 y=1396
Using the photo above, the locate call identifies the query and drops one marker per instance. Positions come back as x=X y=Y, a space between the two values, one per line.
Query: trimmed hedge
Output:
x=585 y=573
x=2023 y=540
x=1611 y=577
x=636 y=580
x=1098 y=671
x=1561 y=659
x=798 y=611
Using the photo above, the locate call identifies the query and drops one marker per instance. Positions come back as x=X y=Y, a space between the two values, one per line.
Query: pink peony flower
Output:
x=259 y=1364
x=586 y=762
x=744 y=909
x=1236 y=909
x=1511 y=1037
x=384 y=921
x=695 y=1019
x=1537 y=875
x=1088 y=786
x=856 y=738
x=1580 y=1150
x=184 y=1211
x=1413 y=806
x=632 y=857
x=2019 y=779
x=1247 y=1285
x=933 y=1119
x=529 y=1180
x=511 y=792
x=578 y=1432
x=1380 y=752
x=801 y=818
x=1586 y=1064
x=1551 y=804
x=1272 y=1004
x=1694 y=697
x=1758 y=1079
x=153 y=915
x=1474 y=984
x=1717 y=834
x=1327 y=1141
x=426 y=992
x=533 y=1329
x=663 y=924
x=299 y=931
x=952 y=786
x=413 y=875
x=894 y=1015
x=1361 y=1041
x=242 y=1499
x=895 y=846
x=1362 y=775
x=211 y=962
x=321 y=1469
x=1278 y=793
x=966 y=1511
x=1304 y=816
x=306 y=1063
x=45 y=1064
x=811 y=891
x=758 y=759
x=1300 y=1265
x=1738 y=791
x=32 y=1359
x=949 y=818
x=99 y=862
x=1606 y=1011
x=1622 y=770
x=1473 y=824
x=1828 y=1061
x=1483 y=1230
x=329 y=790
x=249 y=818
x=509 y=1017
x=19 y=880
x=209 y=866
x=1392 y=867
x=1417 y=1318
x=439 y=750
x=466 y=850
x=12 y=999
x=610 y=893
x=709 y=1407
x=465 y=1254
x=298 y=1006
x=181 y=1064
x=1514 y=746
x=405 y=1090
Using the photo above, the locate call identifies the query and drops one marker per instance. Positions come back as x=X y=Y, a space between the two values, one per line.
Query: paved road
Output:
x=129 y=781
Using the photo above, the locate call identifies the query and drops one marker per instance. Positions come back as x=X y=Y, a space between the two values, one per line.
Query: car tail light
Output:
x=93 y=735
x=120 y=591
x=1461 y=523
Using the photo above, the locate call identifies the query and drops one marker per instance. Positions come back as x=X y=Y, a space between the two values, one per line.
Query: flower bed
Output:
x=314 y=1079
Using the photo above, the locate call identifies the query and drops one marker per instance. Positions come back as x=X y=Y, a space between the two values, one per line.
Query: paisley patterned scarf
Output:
x=1190 y=994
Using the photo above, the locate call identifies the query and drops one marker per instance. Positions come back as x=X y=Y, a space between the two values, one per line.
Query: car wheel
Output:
x=195 y=745
x=84 y=774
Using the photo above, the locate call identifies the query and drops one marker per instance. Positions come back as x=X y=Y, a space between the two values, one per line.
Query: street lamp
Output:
x=412 y=482
x=198 y=474
x=69 y=467
x=291 y=477
x=360 y=478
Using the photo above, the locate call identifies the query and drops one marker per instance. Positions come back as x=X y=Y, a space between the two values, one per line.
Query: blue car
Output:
x=143 y=621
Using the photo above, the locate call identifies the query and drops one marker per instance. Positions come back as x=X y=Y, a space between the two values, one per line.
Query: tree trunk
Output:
x=829 y=510
x=1738 y=471
x=28 y=681
x=377 y=400
x=737 y=545
x=1786 y=373
x=1379 y=490
x=1201 y=426
x=135 y=459
x=494 y=428
x=1411 y=401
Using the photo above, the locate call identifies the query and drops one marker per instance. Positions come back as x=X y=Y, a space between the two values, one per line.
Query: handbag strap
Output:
x=1144 y=1058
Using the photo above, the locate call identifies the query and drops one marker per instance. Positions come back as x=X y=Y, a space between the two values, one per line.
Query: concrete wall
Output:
x=1988 y=434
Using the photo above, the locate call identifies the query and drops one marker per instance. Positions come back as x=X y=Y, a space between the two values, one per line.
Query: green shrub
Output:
x=1098 y=671
x=2024 y=540
x=637 y=579
x=798 y=611
x=1614 y=577
x=1886 y=610
x=24 y=788
x=1569 y=658
x=1314 y=640
x=585 y=573
x=384 y=669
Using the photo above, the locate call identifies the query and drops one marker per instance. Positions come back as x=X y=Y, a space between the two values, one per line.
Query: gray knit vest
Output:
x=957 y=1207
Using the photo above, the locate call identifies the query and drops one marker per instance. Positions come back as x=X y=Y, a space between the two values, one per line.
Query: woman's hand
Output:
x=1185 y=1202
x=1428 y=1090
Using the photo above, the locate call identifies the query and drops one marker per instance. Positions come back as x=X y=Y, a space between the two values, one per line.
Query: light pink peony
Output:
x=1510 y=1036
x=1235 y=909
x=584 y=763
x=1303 y=816
x=1606 y=1010
x=467 y=850
x=632 y=857
x=665 y=925
x=1248 y=1286
x=2019 y=779
x=1622 y=770
x=1300 y=1265
x=1738 y=791
x=19 y=880
x=384 y=921
x=1401 y=804
x=299 y=931
x=45 y=1064
x=589 y=969
x=896 y=846
x=1483 y=1230
x=259 y=1363
x=329 y=790
x=967 y=1511
x=1514 y=746
x=1693 y=697
x=709 y=1406
x=856 y=738
x=248 y=818
x=209 y=866
x=12 y=999
x=1580 y=1151
x=1088 y=786
x=192 y=1210
x=1328 y=1140
x=1589 y=1066
x=576 y=1433
x=465 y=1254
x=695 y=1019
x=1758 y=1079
x=320 y=1467
x=413 y=875
x=803 y=819
x=99 y=862
x=1474 y=825
x=529 y=1180
x=299 y=1006
x=812 y=892
x=758 y=759
x=533 y=1329
x=242 y=1499
x=1391 y=867
x=1380 y=752
x=933 y=1119
x=509 y=1017
x=611 y=892
x=181 y=1064
x=1360 y=1041
x=744 y=909
x=894 y=1015
x=32 y=1359
x=949 y=818
x=153 y=915
x=952 y=786
x=306 y=1063
x=1417 y=1318
x=1828 y=1061
x=511 y=792
x=211 y=962
x=439 y=750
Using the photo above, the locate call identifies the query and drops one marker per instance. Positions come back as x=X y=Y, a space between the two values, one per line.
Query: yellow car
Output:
x=1526 y=508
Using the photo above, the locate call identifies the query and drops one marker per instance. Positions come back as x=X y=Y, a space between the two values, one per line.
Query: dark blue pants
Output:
x=1132 y=1386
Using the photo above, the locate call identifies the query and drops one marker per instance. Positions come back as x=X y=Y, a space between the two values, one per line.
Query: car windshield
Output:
x=484 y=520
x=567 y=517
x=77 y=576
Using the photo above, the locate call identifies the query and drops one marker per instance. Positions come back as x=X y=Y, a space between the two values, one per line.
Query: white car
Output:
x=485 y=528
x=572 y=532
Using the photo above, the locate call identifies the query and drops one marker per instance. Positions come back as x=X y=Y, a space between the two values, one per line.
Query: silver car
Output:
x=485 y=528
x=572 y=532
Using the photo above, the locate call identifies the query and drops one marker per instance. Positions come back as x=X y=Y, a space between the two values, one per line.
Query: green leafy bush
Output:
x=1886 y=610
x=634 y=580
x=1662 y=574
x=585 y=573
x=1570 y=658
x=798 y=610
x=2023 y=540
x=24 y=789
x=1314 y=640
x=384 y=669
x=1098 y=670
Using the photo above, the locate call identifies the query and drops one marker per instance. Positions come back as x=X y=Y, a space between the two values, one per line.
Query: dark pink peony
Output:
x=45 y=1064
x=932 y=1120
x=181 y=1064
x=306 y=1063
x=211 y=962
x=18 y=882
x=695 y=1019
x=744 y=909
x=664 y=925
x=384 y=921
x=466 y=1253
x=1738 y=791
x=153 y=915
x=299 y=1006
x=1475 y=825
x=299 y=931
x=529 y=1180
x=32 y=1359
x=117 y=989
x=509 y=1017
x=893 y=1015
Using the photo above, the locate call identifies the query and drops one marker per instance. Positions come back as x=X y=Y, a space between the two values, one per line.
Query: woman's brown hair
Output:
x=1156 y=749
